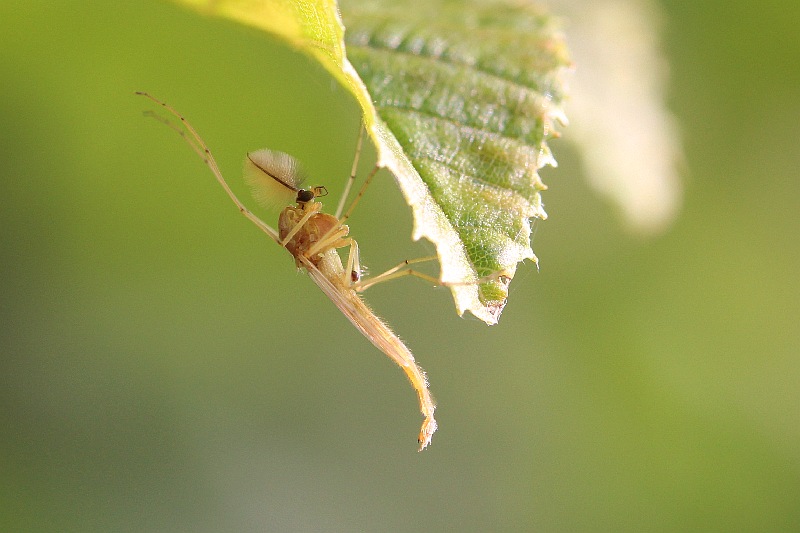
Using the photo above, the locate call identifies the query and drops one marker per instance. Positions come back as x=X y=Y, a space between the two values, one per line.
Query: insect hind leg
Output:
x=400 y=270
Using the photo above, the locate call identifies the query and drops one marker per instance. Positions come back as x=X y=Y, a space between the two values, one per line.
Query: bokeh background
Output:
x=164 y=368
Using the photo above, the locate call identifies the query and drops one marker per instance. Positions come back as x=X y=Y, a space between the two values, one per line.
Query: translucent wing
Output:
x=274 y=177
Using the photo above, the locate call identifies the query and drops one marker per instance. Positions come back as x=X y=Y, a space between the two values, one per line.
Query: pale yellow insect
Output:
x=312 y=237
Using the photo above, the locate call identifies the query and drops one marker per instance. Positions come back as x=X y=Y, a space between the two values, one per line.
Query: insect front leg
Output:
x=297 y=227
x=199 y=146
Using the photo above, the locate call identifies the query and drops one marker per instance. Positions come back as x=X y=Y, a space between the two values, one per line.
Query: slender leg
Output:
x=297 y=227
x=353 y=171
x=352 y=273
x=361 y=192
x=331 y=239
x=398 y=272
x=351 y=208
x=201 y=149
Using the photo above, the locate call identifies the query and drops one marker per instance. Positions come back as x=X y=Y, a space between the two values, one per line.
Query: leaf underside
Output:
x=460 y=100
x=470 y=90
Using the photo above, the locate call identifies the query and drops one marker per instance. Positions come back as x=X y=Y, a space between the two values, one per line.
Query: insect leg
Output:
x=332 y=239
x=297 y=227
x=398 y=272
x=360 y=194
x=353 y=171
x=352 y=206
x=201 y=149
x=352 y=273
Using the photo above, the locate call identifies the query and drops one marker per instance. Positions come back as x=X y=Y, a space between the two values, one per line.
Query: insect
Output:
x=312 y=237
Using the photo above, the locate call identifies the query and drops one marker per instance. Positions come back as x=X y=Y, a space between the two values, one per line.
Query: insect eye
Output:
x=304 y=196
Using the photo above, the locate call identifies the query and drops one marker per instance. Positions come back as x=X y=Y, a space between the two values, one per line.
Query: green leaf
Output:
x=460 y=99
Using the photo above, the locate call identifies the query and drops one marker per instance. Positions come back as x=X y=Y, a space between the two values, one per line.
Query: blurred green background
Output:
x=165 y=369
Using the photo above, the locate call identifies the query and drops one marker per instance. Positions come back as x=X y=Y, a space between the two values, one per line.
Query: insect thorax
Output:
x=314 y=229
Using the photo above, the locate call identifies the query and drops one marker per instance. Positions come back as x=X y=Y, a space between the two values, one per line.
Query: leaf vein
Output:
x=449 y=62
x=496 y=134
x=473 y=177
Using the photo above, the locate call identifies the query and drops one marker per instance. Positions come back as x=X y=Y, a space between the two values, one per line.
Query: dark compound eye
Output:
x=304 y=196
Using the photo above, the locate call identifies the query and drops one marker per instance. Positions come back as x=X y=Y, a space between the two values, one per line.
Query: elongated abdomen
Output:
x=373 y=328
